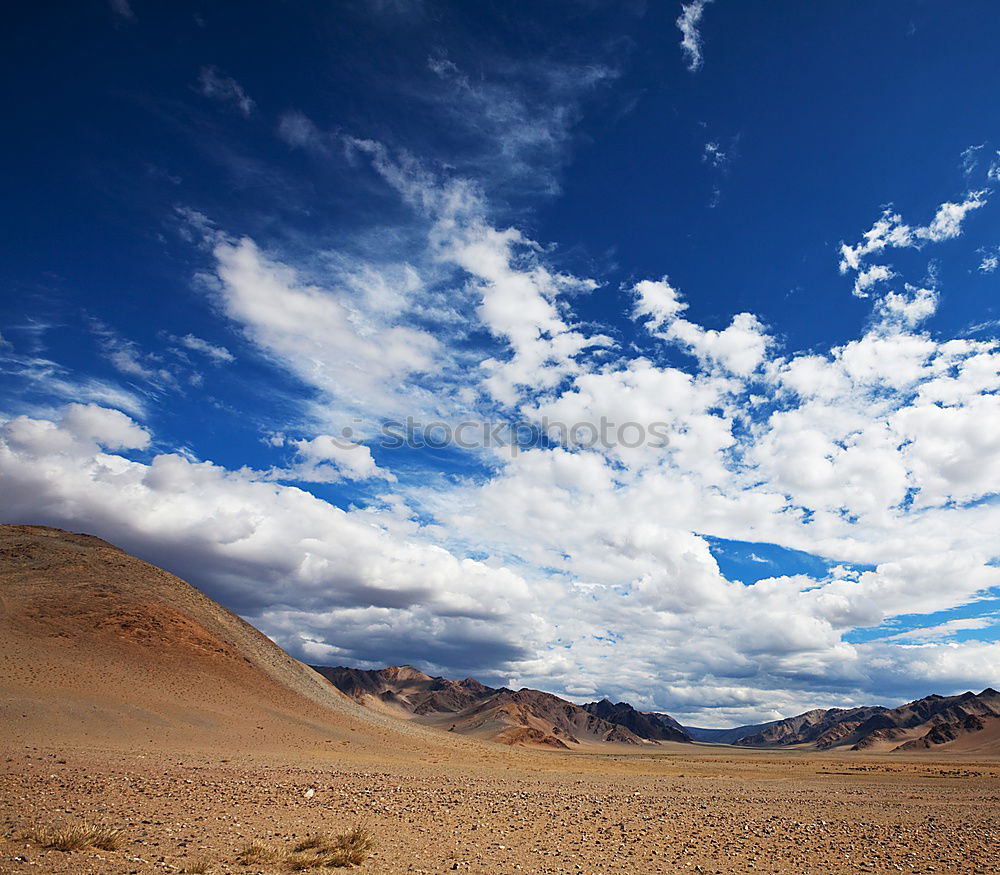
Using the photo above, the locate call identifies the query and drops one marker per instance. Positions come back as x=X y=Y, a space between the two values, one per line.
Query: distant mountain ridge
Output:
x=516 y=717
x=965 y=720
x=969 y=721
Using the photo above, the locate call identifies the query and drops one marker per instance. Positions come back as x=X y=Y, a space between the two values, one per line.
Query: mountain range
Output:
x=514 y=717
x=967 y=722
x=100 y=645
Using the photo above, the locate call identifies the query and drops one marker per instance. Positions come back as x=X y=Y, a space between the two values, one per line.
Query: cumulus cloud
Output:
x=869 y=277
x=658 y=300
x=739 y=348
x=909 y=308
x=688 y=23
x=890 y=231
x=631 y=578
x=328 y=459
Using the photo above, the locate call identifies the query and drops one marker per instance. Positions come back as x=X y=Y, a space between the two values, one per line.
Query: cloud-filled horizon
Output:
x=239 y=262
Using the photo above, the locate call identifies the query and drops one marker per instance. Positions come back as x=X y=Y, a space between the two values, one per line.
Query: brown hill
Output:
x=100 y=649
x=967 y=722
x=471 y=708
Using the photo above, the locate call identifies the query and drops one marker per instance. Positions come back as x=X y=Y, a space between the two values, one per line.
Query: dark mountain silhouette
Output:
x=657 y=727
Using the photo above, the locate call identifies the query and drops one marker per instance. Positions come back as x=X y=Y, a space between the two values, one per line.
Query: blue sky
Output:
x=236 y=230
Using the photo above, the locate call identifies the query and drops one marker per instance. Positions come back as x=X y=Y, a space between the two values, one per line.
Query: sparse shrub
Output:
x=311 y=843
x=316 y=852
x=79 y=838
x=258 y=852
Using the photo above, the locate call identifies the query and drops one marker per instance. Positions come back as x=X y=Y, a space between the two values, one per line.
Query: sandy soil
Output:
x=515 y=811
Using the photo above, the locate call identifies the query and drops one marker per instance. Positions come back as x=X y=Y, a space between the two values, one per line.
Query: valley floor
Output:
x=687 y=810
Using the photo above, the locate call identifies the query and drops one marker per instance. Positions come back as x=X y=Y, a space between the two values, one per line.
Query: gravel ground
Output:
x=515 y=812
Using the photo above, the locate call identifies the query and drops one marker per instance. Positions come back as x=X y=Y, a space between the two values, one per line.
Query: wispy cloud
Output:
x=688 y=22
x=218 y=354
x=122 y=9
x=520 y=116
x=990 y=260
x=218 y=86
x=299 y=131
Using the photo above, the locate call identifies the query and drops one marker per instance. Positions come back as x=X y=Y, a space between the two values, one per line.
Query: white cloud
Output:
x=910 y=308
x=358 y=355
x=217 y=354
x=947 y=222
x=218 y=86
x=739 y=348
x=990 y=260
x=631 y=577
x=970 y=158
x=688 y=22
x=994 y=171
x=130 y=360
x=658 y=300
x=891 y=232
x=519 y=297
x=944 y=630
x=329 y=459
x=869 y=277
x=714 y=155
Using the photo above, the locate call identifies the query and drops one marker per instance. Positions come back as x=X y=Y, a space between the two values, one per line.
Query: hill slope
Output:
x=98 y=648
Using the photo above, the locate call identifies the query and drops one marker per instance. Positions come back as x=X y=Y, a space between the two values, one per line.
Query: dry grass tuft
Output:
x=316 y=852
x=258 y=852
x=200 y=866
x=78 y=838
x=312 y=843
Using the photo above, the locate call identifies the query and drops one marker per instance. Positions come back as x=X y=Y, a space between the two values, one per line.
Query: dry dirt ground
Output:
x=504 y=811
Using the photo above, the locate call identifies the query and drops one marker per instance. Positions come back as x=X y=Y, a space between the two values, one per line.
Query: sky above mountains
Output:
x=636 y=350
